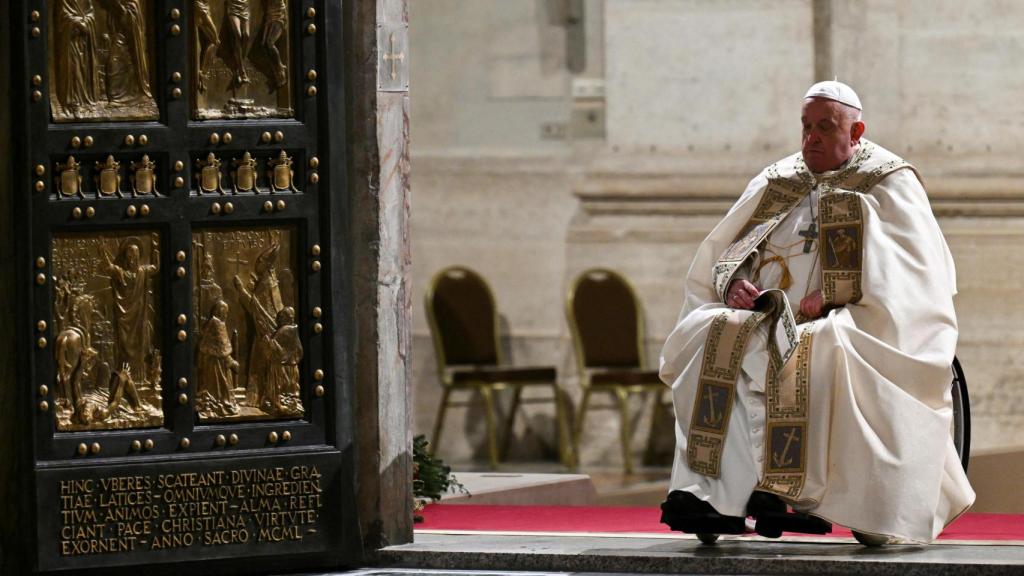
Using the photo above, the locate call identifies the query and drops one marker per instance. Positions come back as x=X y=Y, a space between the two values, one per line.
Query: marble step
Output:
x=514 y=489
x=643 y=555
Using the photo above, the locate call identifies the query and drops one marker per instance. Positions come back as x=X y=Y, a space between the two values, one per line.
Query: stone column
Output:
x=378 y=138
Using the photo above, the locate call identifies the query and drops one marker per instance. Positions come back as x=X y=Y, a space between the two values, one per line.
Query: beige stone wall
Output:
x=708 y=83
x=697 y=98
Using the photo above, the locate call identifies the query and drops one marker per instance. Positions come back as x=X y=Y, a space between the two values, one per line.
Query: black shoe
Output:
x=773 y=518
x=762 y=503
x=684 y=512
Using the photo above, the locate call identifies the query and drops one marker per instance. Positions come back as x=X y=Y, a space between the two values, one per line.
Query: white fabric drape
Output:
x=880 y=458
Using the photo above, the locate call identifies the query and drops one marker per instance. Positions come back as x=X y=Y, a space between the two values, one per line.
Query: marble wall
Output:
x=693 y=98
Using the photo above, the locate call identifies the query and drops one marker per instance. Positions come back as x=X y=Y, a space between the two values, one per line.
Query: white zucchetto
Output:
x=835 y=90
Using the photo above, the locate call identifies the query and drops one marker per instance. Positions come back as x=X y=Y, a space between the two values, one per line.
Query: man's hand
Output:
x=812 y=304
x=741 y=294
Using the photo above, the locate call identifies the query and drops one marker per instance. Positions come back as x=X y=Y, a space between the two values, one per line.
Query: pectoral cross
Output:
x=810 y=235
x=780 y=459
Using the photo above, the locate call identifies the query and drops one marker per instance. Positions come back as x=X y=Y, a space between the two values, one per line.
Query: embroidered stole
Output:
x=716 y=390
x=787 y=385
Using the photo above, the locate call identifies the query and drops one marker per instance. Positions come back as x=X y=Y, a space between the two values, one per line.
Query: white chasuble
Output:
x=852 y=422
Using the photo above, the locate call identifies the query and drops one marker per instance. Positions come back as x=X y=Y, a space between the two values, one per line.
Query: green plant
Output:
x=431 y=477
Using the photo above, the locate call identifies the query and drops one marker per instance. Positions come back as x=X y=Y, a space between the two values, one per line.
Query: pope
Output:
x=810 y=366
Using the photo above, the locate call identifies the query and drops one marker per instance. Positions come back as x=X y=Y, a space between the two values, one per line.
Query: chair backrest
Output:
x=463 y=318
x=606 y=321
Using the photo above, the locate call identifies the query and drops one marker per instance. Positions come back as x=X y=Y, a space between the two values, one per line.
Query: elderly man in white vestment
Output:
x=810 y=365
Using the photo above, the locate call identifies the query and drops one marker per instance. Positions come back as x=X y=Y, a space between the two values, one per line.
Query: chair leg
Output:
x=578 y=431
x=510 y=422
x=439 y=423
x=624 y=429
x=655 y=413
x=565 y=451
x=492 y=432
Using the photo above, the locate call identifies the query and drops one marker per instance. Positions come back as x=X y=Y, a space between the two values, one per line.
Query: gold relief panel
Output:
x=102 y=60
x=104 y=177
x=106 y=308
x=248 y=349
x=240 y=53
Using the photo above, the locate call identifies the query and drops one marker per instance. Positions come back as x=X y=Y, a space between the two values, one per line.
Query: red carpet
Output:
x=618 y=519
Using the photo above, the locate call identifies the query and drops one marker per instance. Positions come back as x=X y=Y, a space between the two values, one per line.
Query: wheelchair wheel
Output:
x=961 y=414
x=708 y=539
x=961 y=431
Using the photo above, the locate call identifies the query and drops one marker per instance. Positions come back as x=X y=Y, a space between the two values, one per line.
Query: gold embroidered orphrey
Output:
x=787 y=399
x=787 y=386
x=723 y=356
x=841 y=239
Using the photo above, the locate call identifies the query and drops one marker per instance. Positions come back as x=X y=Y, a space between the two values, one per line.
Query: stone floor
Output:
x=643 y=555
x=552 y=555
x=421 y=572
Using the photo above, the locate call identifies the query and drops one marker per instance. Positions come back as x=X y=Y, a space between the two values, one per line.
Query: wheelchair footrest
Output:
x=772 y=517
x=773 y=524
x=684 y=512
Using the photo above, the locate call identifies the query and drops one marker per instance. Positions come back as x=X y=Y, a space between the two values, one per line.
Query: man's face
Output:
x=830 y=133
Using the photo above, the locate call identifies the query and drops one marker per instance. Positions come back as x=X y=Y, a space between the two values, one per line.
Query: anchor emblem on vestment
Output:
x=781 y=461
x=711 y=418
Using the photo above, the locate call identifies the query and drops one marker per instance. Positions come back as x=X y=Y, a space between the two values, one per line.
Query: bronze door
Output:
x=180 y=196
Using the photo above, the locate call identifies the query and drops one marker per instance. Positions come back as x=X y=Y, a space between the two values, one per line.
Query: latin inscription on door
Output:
x=120 y=514
x=128 y=513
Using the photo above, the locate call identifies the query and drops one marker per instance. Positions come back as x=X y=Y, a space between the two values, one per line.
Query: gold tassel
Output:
x=787 y=278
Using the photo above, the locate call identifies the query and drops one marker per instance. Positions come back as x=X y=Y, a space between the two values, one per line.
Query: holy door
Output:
x=177 y=196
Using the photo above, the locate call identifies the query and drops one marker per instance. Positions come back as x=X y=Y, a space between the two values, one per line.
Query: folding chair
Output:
x=607 y=324
x=463 y=322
